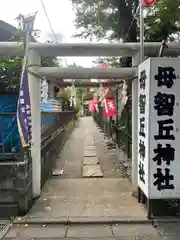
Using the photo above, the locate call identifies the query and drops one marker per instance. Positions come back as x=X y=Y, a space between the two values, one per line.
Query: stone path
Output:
x=84 y=232
x=91 y=166
x=74 y=196
x=79 y=192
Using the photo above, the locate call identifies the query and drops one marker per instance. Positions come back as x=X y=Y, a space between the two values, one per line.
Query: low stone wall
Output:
x=51 y=150
x=15 y=186
x=16 y=174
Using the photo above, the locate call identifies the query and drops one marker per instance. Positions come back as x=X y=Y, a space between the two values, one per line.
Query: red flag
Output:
x=147 y=3
x=109 y=107
x=91 y=106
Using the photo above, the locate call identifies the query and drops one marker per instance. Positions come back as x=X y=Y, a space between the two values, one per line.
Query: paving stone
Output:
x=141 y=230
x=90 y=161
x=89 y=231
x=94 y=238
x=91 y=148
x=36 y=231
x=90 y=154
x=92 y=171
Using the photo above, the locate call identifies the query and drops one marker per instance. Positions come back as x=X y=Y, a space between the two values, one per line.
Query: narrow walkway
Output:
x=75 y=206
x=70 y=196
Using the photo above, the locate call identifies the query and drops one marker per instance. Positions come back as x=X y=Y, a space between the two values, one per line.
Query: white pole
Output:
x=34 y=61
x=135 y=63
x=141 y=33
x=34 y=82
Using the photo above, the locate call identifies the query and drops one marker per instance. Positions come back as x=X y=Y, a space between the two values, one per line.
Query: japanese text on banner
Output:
x=164 y=102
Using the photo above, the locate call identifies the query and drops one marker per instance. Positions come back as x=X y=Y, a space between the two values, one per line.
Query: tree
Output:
x=116 y=20
x=11 y=67
x=10 y=71
x=108 y=19
x=163 y=21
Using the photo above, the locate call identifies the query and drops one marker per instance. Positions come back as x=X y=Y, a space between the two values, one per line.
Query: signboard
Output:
x=109 y=107
x=159 y=128
x=24 y=109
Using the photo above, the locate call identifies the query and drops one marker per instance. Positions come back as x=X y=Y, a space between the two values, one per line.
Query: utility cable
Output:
x=132 y=22
x=52 y=30
x=49 y=20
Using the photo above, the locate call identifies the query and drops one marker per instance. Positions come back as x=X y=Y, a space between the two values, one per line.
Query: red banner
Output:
x=109 y=107
x=91 y=106
x=147 y=3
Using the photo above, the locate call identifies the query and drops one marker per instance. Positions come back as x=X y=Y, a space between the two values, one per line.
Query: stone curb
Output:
x=165 y=220
x=76 y=220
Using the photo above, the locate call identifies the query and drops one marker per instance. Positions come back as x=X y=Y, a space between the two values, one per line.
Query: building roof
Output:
x=7 y=31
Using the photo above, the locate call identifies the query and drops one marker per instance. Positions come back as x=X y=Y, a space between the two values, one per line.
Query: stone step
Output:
x=90 y=161
x=90 y=153
x=92 y=171
x=85 y=231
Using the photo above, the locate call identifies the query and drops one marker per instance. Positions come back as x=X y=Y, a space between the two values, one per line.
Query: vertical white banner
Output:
x=44 y=91
x=162 y=126
x=143 y=126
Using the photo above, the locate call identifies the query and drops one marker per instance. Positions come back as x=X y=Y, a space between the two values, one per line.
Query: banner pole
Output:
x=141 y=34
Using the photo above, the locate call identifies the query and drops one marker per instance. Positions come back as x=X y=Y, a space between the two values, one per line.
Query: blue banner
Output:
x=24 y=109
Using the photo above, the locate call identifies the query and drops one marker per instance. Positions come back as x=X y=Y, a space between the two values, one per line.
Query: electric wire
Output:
x=50 y=25
x=132 y=22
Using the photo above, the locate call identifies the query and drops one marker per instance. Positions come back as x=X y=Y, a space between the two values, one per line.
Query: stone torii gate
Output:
x=36 y=50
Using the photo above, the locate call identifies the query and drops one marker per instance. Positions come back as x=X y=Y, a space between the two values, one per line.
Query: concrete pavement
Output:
x=72 y=206
x=84 y=231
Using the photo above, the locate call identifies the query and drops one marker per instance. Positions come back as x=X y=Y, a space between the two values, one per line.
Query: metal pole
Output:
x=117 y=113
x=141 y=34
x=135 y=63
x=34 y=60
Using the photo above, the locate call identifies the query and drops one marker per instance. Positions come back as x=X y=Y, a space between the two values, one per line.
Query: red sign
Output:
x=147 y=3
x=91 y=106
x=109 y=107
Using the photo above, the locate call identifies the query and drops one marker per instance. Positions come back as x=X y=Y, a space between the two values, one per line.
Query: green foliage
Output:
x=10 y=72
x=79 y=93
x=115 y=20
x=49 y=62
x=163 y=20
x=105 y=18
x=11 y=67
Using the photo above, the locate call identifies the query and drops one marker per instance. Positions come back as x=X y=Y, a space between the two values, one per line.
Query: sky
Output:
x=60 y=13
